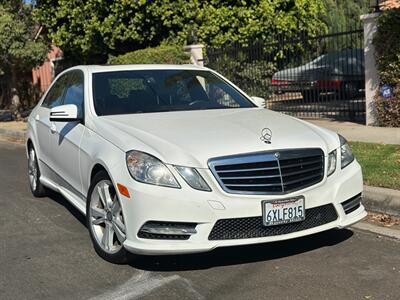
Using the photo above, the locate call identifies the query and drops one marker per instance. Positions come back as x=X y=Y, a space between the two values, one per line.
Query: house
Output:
x=389 y=4
x=43 y=75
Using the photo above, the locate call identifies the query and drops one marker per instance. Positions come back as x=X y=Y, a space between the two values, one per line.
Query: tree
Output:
x=89 y=31
x=344 y=14
x=157 y=55
x=20 y=49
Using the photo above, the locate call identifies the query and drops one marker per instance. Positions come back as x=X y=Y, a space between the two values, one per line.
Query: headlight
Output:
x=193 y=178
x=332 y=162
x=345 y=152
x=149 y=169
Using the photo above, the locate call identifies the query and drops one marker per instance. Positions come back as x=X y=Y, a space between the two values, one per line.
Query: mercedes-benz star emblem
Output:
x=266 y=135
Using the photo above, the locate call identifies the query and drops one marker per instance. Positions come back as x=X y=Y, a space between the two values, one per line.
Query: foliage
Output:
x=159 y=55
x=263 y=20
x=388 y=110
x=344 y=15
x=91 y=30
x=19 y=51
x=387 y=47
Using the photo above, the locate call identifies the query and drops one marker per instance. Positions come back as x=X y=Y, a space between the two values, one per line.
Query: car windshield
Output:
x=145 y=91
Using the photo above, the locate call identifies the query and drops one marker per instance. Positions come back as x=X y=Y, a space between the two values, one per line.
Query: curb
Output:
x=382 y=200
x=19 y=135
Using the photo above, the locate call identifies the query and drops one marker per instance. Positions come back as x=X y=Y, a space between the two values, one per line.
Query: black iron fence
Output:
x=310 y=77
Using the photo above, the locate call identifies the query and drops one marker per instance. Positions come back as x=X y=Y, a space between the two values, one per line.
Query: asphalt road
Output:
x=46 y=253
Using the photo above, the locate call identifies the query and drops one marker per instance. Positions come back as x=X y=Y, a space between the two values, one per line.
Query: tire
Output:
x=105 y=220
x=349 y=90
x=310 y=95
x=37 y=188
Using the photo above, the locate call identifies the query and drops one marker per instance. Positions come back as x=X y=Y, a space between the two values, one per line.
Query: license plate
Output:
x=283 y=211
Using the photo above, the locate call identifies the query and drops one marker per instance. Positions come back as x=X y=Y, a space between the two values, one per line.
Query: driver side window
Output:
x=74 y=91
x=55 y=95
x=68 y=89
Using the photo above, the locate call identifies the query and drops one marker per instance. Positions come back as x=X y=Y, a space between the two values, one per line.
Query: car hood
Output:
x=191 y=138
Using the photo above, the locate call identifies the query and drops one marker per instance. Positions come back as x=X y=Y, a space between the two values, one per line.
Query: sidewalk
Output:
x=361 y=133
x=13 y=131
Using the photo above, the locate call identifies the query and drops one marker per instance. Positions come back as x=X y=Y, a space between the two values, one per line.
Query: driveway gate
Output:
x=308 y=77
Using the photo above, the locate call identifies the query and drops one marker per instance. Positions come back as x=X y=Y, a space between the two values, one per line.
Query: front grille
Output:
x=273 y=172
x=252 y=227
x=352 y=204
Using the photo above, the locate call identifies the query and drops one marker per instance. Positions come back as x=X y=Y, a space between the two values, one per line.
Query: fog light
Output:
x=167 y=230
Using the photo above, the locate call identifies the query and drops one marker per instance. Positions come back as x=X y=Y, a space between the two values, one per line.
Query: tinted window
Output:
x=55 y=95
x=74 y=92
x=127 y=92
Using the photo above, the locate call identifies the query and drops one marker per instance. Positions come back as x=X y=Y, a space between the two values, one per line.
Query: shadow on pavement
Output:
x=59 y=199
x=225 y=256
x=241 y=254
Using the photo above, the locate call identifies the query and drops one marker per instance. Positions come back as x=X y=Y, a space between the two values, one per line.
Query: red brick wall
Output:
x=43 y=75
x=388 y=4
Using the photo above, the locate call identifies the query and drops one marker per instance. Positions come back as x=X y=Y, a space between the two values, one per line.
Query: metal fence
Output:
x=309 y=77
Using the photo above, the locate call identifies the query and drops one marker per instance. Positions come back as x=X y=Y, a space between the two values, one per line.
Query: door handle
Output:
x=53 y=128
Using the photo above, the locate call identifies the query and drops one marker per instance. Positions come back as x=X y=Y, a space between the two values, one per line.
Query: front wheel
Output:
x=105 y=220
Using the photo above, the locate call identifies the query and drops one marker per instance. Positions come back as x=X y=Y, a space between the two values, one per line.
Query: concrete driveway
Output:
x=46 y=253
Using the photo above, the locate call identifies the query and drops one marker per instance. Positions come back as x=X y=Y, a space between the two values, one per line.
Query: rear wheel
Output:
x=105 y=220
x=310 y=95
x=349 y=90
x=37 y=188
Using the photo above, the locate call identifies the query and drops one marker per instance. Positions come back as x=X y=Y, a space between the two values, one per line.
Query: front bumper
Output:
x=302 y=87
x=153 y=203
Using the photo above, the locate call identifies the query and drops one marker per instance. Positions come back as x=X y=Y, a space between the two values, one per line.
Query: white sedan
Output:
x=167 y=159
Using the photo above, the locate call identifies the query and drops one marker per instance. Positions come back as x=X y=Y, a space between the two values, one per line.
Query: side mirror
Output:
x=64 y=113
x=260 y=102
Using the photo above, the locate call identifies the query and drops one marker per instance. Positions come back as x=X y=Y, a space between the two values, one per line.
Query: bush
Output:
x=164 y=54
x=387 y=46
x=388 y=110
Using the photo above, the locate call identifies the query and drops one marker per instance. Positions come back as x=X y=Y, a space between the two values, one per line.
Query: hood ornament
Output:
x=266 y=135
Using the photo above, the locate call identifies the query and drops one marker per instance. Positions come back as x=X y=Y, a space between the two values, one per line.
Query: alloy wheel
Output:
x=105 y=217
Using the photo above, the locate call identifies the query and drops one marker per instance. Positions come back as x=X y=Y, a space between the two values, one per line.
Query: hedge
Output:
x=387 y=47
x=164 y=54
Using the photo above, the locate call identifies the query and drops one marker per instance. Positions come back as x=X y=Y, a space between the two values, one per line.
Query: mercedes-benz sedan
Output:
x=167 y=159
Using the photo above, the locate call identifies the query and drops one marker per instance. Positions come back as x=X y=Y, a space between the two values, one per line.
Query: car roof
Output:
x=134 y=67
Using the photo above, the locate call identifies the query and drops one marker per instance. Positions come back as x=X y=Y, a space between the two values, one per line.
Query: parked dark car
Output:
x=340 y=72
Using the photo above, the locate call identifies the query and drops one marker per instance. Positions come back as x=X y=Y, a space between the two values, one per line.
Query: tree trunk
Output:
x=14 y=100
x=5 y=87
